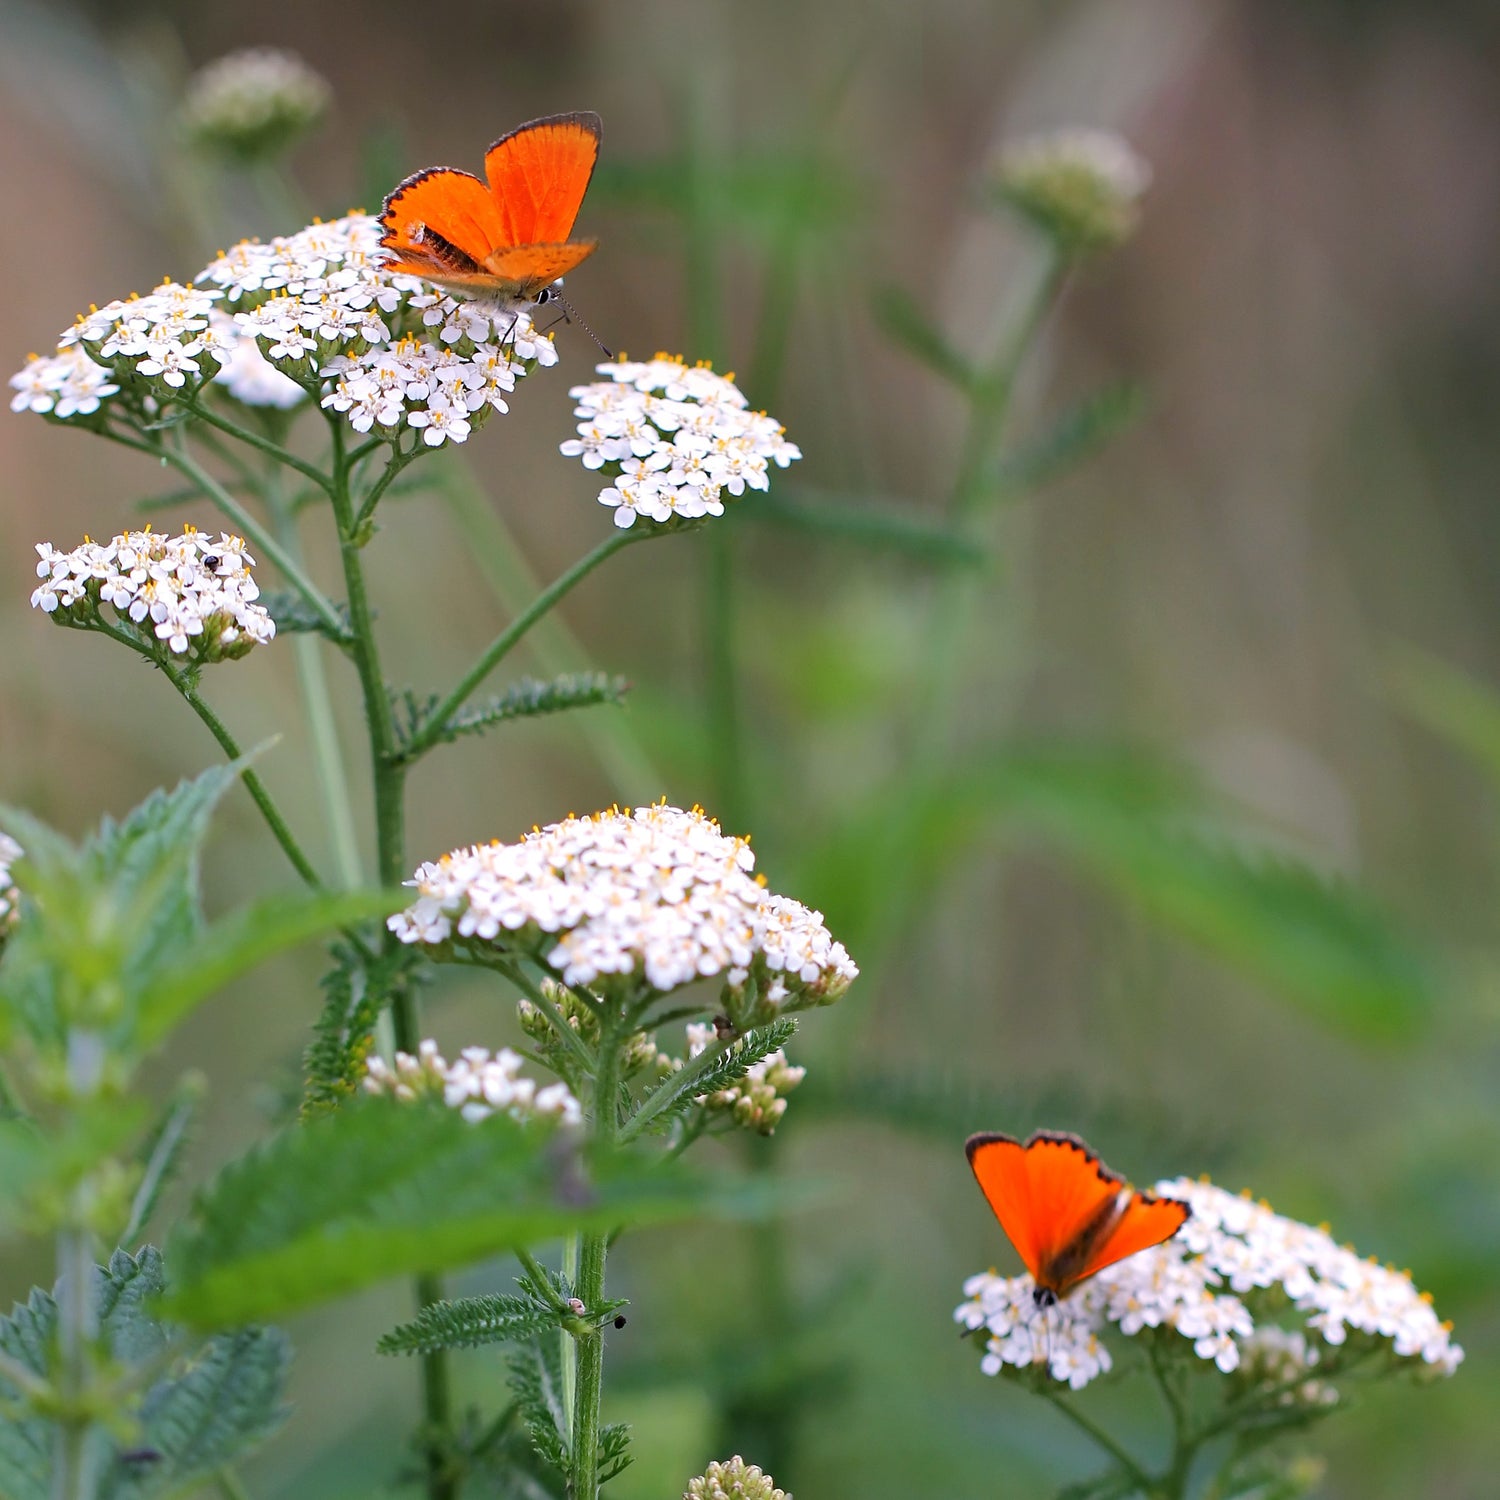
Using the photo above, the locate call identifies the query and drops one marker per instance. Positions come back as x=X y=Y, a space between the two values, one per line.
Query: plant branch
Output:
x=494 y=653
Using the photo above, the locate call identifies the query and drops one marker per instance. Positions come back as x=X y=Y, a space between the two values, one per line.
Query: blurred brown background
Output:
x=1313 y=301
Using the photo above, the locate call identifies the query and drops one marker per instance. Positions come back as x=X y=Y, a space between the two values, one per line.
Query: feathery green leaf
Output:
x=526 y=699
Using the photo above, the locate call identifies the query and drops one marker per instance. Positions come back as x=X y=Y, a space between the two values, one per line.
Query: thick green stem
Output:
x=508 y=638
x=74 y=1472
x=389 y=777
x=589 y=1388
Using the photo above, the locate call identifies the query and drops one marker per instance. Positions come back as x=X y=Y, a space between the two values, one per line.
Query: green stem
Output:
x=437 y=721
x=264 y=445
x=609 y=738
x=589 y=1389
x=74 y=1474
x=389 y=778
x=253 y=784
x=543 y=1002
x=1139 y=1477
x=726 y=744
x=264 y=541
x=322 y=728
x=231 y=1486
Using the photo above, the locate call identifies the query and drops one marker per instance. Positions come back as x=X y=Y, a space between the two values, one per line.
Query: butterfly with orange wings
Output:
x=1065 y=1212
x=510 y=237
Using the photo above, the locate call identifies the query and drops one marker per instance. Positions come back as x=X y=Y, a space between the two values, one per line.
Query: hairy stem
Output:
x=1139 y=1477
x=389 y=777
x=589 y=1374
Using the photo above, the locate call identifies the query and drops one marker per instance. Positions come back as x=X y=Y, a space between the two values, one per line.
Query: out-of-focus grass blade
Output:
x=873 y=522
x=1154 y=837
x=1073 y=438
x=1450 y=702
x=907 y=326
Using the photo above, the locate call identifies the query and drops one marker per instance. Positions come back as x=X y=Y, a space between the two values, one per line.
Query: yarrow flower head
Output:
x=656 y=897
x=255 y=103
x=734 y=1480
x=309 y=315
x=1081 y=187
x=675 y=440
x=1226 y=1283
x=10 y=897
x=478 y=1084
x=191 y=596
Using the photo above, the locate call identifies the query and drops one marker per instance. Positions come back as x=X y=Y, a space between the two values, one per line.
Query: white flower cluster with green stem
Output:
x=254 y=103
x=10 y=897
x=675 y=440
x=191 y=595
x=312 y=314
x=1230 y=1274
x=478 y=1084
x=656 y=896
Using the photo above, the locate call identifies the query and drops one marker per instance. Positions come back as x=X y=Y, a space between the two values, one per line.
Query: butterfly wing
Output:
x=1147 y=1221
x=525 y=269
x=1045 y=1193
x=538 y=174
x=442 y=224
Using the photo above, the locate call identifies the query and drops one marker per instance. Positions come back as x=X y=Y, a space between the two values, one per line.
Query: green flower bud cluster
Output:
x=735 y=1480
x=1081 y=188
x=255 y=104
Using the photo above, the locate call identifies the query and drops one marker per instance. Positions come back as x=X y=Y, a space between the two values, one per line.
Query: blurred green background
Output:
x=1262 y=581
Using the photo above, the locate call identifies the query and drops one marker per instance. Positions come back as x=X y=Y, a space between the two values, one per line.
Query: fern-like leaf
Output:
x=707 y=1074
x=536 y=1383
x=468 y=1322
x=355 y=991
x=526 y=699
x=614 y=1451
x=293 y=615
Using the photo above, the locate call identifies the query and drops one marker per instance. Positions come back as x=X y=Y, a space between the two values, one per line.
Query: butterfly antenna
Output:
x=571 y=314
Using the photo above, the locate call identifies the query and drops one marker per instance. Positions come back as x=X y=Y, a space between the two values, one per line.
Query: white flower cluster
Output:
x=758 y=1100
x=1082 y=186
x=254 y=102
x=656 y=893
x=1209 y=1284
x=675 y=439
x=312 y=313
x=478 y=1084
x=191 y=592
x=10 y=897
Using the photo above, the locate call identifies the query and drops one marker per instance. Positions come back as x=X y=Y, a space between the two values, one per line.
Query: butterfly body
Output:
x=1065 y=1212
x=509 y=236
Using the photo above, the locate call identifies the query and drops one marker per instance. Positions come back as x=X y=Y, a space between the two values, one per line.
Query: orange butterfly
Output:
x=1065 y=1212
x=512 y=238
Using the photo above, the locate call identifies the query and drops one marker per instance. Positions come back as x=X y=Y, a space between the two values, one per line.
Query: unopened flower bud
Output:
x=1080 y=187
x=254 y=104
x=735 y=1480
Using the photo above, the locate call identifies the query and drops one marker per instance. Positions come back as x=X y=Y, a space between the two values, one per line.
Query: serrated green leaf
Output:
x=1153 y=836
x=1073 y=438
x=355 y=991
x=526 y=699
x=467 y=1322
x=536 y=1381
x=247 y=937
x=161 y=1157
x=710 y=1071
x=380 y=1189
x=205 y=1410
x=908 y=327
x=868 y=520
